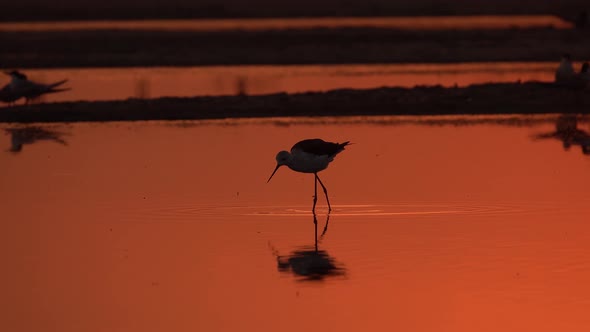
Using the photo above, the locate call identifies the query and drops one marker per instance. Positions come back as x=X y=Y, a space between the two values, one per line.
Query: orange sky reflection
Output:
x=123 y=83
x=151 y=227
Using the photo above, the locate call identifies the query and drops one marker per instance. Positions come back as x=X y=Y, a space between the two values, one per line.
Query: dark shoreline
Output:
x=123 y=48
x=525 y=98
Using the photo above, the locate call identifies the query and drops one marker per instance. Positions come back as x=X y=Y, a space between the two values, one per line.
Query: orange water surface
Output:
x=123 y=83
x=468 y=225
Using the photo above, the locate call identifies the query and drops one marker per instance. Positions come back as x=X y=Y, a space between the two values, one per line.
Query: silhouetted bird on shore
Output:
x=565 y=72
x=21 y=87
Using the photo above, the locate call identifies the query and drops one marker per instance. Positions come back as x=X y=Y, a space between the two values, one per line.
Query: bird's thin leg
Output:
x=315 y=193
x=325 y=227
x=325 y=192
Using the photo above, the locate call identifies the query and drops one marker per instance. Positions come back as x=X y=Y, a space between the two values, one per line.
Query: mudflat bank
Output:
x=129 y=48
x=515 y=98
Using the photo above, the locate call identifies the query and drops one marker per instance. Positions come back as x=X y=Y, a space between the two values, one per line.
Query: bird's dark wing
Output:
x=319 y=147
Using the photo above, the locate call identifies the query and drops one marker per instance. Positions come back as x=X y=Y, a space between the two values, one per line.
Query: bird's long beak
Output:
x=273 y=173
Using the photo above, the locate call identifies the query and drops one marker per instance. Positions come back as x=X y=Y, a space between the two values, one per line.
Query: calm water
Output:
x=123 y=83
x=466 y=224
x=404 y=23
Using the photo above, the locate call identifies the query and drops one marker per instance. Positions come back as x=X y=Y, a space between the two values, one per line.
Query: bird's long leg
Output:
x=326 y=226
x=325 y=192
x=315 y=193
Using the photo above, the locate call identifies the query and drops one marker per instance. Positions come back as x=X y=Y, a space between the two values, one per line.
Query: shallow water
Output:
x=460 y=224
x=404 y=23
x=123 y=83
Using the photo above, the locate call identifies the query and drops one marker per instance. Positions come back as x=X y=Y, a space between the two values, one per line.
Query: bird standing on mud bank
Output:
x=565 y=72
x=21 y=87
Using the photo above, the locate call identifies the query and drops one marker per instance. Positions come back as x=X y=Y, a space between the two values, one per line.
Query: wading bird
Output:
x=310 y=156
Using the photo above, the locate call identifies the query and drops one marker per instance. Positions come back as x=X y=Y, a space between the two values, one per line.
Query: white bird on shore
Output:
x=20 y=86
x=565 y=72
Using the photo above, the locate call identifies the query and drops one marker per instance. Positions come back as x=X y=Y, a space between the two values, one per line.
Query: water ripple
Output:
x=200 y=212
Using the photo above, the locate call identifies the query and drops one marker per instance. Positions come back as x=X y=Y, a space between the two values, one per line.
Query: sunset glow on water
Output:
x=155 y=82
x=466 y=222
x=473 y=224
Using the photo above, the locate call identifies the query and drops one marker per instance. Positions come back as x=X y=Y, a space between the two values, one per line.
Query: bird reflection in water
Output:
x=30 y=135
x=309 y=263
x=567 y=131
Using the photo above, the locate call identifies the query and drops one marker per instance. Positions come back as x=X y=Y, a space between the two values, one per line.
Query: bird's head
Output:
x=15 y=74
x=282 y=159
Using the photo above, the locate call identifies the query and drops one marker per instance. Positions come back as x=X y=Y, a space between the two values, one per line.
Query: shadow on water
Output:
x=310 y=263
x=30 y=135
x=567 y=131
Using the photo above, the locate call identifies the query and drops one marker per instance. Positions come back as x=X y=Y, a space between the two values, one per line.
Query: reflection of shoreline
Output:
x=321 y=46
x=485 y=99
x=30 y=135
x=309 y=263
x=567 y=131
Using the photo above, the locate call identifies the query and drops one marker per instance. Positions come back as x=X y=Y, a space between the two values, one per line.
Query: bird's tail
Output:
x=56 y=84
x=57 y=90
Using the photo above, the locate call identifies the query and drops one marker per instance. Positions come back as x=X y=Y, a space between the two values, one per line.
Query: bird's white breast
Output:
x=308 y=163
